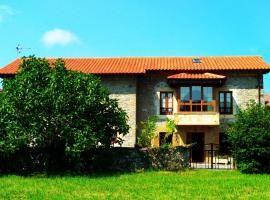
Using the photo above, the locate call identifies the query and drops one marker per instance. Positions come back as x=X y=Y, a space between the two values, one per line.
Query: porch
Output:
x=214 y=158
x=209 y=146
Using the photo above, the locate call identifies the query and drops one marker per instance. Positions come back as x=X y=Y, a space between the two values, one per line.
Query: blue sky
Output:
x=99 y=28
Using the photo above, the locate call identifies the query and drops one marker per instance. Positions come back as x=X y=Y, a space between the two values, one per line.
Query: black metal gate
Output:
x=213 y=158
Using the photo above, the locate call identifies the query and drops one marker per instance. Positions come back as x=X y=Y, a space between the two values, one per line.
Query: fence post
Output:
x=212 y=155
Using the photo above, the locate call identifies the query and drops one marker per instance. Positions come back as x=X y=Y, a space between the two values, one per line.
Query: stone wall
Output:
x=135 y=159
x=124 y=89
x=118 y=159
x=148 y=100
x=244 y=88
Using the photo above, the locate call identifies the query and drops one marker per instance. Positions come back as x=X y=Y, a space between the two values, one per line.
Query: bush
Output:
x=249 y=136
x=170 y=130
x=148 y=132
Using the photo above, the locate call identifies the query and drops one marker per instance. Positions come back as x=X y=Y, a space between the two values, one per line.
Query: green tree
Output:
x=170 y=126
x=46 y=105
x=249 y=136
x=147 y=132
x=170 y=129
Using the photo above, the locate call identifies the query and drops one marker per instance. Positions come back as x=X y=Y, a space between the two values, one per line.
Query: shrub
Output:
x=148 y=132
x=249 y=136
x=170 y=129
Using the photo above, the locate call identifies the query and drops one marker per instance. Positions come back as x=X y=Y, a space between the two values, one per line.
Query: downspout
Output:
x=259 y=87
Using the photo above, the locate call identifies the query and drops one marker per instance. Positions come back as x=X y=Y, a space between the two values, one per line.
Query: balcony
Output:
x=197 y=118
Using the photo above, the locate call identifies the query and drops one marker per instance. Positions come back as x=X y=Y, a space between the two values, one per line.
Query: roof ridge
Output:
x=205 y=75
x=139 y=65
x=227 y=56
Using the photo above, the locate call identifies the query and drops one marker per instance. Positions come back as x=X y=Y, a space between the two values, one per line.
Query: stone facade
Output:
x=139 y=96
x=123 y=88
x=148 y=101
x=244 y=88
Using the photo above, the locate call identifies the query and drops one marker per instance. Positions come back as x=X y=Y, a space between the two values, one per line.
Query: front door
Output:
x=197 y=154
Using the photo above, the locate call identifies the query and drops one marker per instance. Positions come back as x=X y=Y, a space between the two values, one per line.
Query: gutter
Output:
x=259 y=87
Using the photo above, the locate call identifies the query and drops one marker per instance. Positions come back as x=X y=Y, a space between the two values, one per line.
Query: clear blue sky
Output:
x=98 y=28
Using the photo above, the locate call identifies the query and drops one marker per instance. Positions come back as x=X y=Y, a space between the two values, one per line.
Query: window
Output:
x=185 y=98
x=196 y=99
x=225 y=103
x=207 y=94
x=196 y=94
x=185 y=94
x=166 y=103
x=165 y=140
x=196 y=60
x=208 y=98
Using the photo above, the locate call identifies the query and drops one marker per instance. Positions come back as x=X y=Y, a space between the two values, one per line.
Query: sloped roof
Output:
x=139 y=65
x=196 y=76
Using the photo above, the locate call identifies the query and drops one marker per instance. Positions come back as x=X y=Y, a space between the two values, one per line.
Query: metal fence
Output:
x=213 y=158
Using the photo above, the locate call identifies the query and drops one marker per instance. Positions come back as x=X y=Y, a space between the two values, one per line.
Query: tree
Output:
x=148 y=132
x=170 y=129
x=46 y=105
x=249 y=136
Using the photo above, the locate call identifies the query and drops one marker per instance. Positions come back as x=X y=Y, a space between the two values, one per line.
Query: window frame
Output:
x=225 y=103
x=201 y=103
x=166 y=103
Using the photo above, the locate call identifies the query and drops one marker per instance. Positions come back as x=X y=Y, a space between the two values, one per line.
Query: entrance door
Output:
x=198 y=149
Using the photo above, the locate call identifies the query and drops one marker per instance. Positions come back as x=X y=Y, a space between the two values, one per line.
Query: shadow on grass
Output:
x=75 y=174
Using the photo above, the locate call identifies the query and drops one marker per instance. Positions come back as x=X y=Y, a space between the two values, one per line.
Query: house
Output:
x=267 y=99
x=201 y=94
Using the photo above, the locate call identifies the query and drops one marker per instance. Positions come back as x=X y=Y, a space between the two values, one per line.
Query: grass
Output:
x=193 y=184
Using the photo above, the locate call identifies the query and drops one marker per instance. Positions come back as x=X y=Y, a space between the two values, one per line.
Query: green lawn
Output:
x=196 y=184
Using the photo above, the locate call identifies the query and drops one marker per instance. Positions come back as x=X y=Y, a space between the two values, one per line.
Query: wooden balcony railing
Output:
x=197 y=107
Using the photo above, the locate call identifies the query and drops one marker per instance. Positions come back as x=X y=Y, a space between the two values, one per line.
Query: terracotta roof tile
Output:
x=196 y=76
x=137 y=65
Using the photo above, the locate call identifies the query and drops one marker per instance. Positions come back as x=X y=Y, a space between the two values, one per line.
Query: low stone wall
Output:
x=172 y=159
x=135 y=159
x=100 y=160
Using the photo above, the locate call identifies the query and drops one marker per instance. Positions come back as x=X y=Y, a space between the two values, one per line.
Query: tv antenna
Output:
x=19 y=49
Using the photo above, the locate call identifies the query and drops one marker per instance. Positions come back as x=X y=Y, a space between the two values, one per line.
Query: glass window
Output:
x=207 y=94
x=185 y=108
x=225 y=103
x=201 y=99
x=196 y=108
x=185 y=94
x=208 y=108
x=228 y=100
x=163 y=99
x=166 y=103
x=196 y=94
x=170 y=102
